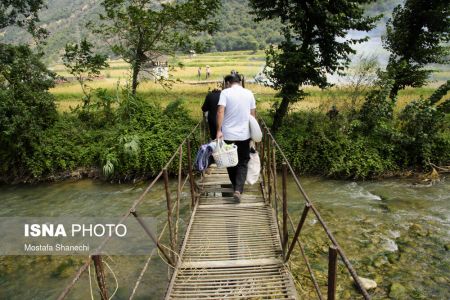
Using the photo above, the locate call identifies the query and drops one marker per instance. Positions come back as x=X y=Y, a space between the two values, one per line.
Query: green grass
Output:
x=191 y=91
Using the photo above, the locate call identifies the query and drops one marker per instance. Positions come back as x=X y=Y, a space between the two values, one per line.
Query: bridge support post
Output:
x=268 y=168
x=100 y=274
x=169 y=211
x=262 y=146
x=285 y=209
x=332 y=265
x=153 y=237
x=297 y=231
x=191 y=179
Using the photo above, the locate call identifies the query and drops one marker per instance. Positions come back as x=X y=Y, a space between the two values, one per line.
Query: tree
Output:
x=439 y=93
x=315 y=44
x=22 y=13
x=360 y=79
x=26 y=106
x=82 y=63
x=142 y=31
x=415 y=35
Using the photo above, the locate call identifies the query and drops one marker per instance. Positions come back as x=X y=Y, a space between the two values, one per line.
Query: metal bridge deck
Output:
x=231 y=250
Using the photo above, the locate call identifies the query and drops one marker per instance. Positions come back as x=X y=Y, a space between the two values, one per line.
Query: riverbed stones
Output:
x=371 y=269
x=375 y=240
x=393 y=257
x=346 y=295
x=367 y=283
x=418 y=230
x=397 y=291
x=441 y=280
x=380 y=261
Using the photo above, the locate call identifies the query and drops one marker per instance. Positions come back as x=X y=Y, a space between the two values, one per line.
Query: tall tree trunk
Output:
x=280 y=113
x=394 y=91
x=134 y=83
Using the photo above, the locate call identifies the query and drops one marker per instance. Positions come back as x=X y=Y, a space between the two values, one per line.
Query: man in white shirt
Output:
x=233 y=114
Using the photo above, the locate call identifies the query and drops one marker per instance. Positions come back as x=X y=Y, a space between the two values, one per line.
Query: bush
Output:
x=422 y=126
x=374 y=144
x=137 y=142
x=26 y=106
x=317 y=145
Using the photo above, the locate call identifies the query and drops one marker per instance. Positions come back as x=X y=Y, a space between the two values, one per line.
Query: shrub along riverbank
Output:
x=118 y=137
x=135 y=139
x=371 y=142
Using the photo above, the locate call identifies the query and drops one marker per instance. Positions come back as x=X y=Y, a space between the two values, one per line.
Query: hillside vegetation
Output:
x=66 y=21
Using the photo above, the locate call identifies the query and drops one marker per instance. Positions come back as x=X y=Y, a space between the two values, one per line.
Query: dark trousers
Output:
x=238 y=174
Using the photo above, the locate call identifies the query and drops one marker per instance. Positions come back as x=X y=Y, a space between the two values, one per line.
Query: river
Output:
x=394 y=232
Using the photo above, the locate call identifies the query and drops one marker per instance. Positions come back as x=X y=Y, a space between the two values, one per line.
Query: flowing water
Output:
x=393 y=231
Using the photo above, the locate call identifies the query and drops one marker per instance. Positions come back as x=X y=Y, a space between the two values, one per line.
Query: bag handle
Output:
x=219 y=145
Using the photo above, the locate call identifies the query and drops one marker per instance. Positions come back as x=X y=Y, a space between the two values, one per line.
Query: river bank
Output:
x=95 y=173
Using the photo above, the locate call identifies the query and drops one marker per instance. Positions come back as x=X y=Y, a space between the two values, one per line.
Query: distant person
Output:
x=209 y=107
x=199 y=73
x=208 y=72
x=233 y=115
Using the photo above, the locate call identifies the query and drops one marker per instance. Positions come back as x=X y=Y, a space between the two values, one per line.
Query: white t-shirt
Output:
x=238 y=102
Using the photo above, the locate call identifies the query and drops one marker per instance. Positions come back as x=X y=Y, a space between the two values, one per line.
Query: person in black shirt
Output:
x=210 y=106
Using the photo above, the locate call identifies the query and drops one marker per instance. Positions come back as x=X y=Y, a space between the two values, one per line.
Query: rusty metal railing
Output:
x=268 y=149
x=169 y=252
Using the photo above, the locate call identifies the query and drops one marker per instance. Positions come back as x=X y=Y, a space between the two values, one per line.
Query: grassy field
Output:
x=191 y=90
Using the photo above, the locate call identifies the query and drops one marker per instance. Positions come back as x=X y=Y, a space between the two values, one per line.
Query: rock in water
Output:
x=368 y=284
x=397 y=291
x=434 y=175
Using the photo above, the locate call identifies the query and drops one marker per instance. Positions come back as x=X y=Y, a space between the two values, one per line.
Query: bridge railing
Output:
x=269 y=151
x=170 y=232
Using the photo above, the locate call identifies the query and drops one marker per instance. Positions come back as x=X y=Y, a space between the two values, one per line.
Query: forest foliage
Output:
x=237 y=31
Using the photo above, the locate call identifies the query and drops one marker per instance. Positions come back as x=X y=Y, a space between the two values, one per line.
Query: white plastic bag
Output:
x=255 y=130
x=254 y=168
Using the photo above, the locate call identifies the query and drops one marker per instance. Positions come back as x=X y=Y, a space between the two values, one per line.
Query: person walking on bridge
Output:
x=236 y=104
x=209 y=107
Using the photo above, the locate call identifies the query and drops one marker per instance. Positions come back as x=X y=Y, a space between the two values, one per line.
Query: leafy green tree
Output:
x=421 y=124
x=26 y=106
x=315 y=43
x=22 y=13
x=416 y=36
x=444 y=105
x=440 y=93
x=84 y=64
x=142 y=31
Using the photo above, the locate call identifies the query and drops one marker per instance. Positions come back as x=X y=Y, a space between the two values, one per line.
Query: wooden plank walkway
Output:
x=231 y=250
